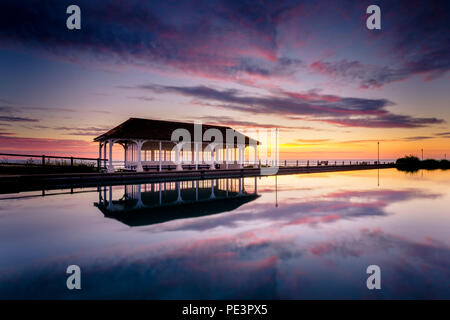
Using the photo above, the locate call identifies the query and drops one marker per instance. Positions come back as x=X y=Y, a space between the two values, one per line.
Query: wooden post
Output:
x=98 y=164
x=71 y=162
x=43 y=160
x=297 y=163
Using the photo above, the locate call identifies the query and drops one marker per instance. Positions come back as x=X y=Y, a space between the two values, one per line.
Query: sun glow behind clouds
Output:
x=311 y=69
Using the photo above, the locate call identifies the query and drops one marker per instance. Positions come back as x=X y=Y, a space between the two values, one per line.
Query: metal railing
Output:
x=314 y=163
x=45 y=160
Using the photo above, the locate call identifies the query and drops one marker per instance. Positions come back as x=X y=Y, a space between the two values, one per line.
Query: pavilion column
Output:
x=160 y=159
x=255 y=165
x=241 y=158
x=110 y=165
x=139 y=144
x=240 y=186
x=193 y=147
x=212 y=166
x=125 y=155
x=179 y=198
x=139 y=203
x=110 y=202
x=212 y=196
x=227 y=156
x=104 y=154
x=197 y=155
x=196 y=190
x=178 y=157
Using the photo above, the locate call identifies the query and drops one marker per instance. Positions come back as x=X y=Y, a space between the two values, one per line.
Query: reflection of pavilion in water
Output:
x=146 y=204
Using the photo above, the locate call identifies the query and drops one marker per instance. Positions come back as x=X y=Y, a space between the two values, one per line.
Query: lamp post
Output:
x=378 y=144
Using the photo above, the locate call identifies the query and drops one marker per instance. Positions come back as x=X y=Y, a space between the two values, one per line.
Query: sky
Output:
x=313 y=69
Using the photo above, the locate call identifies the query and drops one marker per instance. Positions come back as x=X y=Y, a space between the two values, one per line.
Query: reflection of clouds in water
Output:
x=410 y=269
x=254 y=265
x=317 y=209
x=371 y=241
x=273 y=254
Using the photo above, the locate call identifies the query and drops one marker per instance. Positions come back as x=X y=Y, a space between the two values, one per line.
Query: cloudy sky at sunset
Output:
x=310 y=68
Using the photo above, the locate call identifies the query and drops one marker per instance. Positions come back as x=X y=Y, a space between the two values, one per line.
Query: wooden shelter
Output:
x=156 y=145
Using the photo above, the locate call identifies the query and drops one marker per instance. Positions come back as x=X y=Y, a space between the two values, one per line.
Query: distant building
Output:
x=148 y=145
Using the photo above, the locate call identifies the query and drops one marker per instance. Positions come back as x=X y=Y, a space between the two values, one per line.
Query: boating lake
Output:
x=305 y=236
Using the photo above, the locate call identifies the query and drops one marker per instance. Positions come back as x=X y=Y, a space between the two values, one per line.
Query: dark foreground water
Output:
x=290 y=237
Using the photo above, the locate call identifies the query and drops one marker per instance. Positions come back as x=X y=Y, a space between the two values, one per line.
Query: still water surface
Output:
x=287 y=237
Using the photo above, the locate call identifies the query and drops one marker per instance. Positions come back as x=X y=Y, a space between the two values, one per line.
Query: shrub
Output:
x=411 y=163
x=445 y=164
x=408 y=163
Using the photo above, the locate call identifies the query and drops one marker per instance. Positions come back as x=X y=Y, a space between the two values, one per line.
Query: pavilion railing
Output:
x=47 y=160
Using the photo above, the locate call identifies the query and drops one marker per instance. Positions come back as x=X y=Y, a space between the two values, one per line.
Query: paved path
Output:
x=18 y=183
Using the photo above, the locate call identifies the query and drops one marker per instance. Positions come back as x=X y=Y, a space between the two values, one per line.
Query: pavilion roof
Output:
x=189 y=209
x=156 y=130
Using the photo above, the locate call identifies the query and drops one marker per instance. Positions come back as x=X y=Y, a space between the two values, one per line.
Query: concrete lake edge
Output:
x=21 y=183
